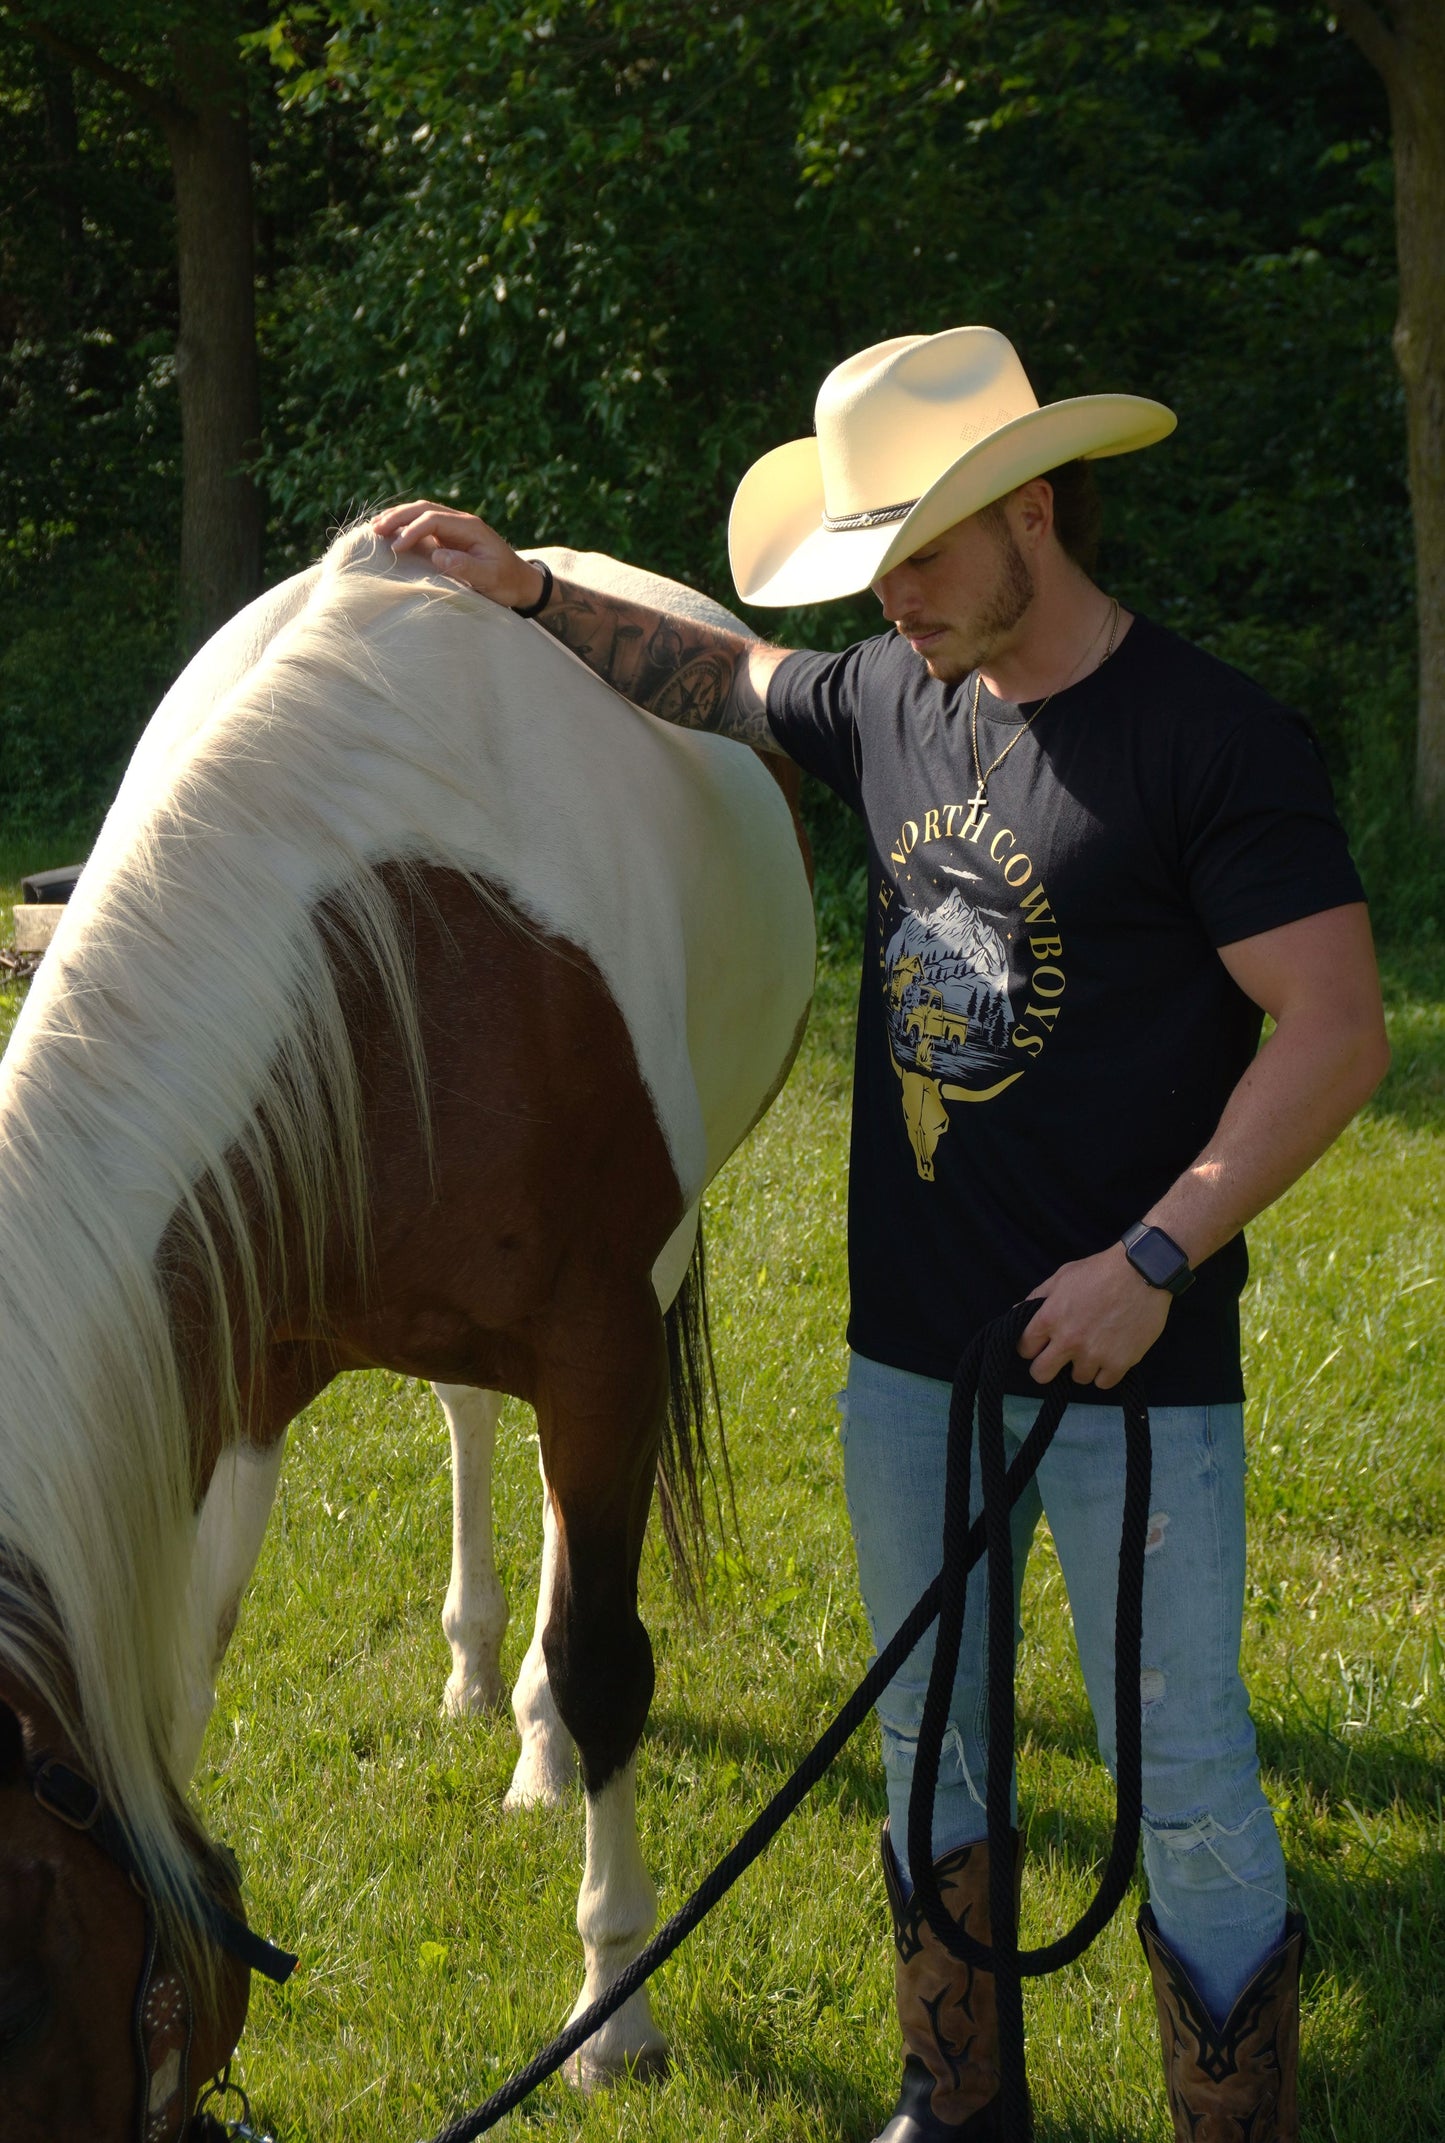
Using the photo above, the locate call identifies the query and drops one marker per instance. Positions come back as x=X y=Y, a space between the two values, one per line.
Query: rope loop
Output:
x=978 y=1394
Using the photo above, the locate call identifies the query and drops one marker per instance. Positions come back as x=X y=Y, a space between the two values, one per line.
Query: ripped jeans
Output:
x=1211 y=1852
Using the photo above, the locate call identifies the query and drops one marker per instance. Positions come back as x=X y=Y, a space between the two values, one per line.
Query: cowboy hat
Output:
x=912 y=435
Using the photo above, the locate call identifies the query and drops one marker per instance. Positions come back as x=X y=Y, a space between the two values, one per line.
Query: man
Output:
x=1096 y=858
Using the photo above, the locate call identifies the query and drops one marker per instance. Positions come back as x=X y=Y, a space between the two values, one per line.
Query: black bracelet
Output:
x=534 y=610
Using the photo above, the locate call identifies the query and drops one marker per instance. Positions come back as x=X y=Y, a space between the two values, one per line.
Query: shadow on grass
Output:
x=1376 y=1956
x=853 y=1781
x=1087 y=2127
x=1064 y=1725
x=1379 y=1773
x=1079 y=1843
x=744 y=2044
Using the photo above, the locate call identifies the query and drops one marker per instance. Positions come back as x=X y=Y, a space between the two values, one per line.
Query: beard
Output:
x=1008 y=601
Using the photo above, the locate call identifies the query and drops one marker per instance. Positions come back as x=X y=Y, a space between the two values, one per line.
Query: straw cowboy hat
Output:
x=912 y=435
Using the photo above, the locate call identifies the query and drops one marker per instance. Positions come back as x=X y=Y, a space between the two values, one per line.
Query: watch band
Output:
x=534 y=610
x=1157 y=1258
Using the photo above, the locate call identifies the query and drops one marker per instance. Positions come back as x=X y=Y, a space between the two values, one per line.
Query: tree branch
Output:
x=166 y=111
x=1381 y=47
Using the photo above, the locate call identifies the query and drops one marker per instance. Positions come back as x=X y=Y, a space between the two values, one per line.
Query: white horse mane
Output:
x=187 y=1031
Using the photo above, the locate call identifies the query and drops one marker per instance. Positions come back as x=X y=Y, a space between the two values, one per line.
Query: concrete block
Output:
x=35 y=924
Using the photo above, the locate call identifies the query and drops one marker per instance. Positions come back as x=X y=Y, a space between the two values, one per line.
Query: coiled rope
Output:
x=979 y=1390
x=978 y=1387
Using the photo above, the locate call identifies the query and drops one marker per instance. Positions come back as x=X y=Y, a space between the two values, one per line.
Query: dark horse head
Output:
x=106 y=2033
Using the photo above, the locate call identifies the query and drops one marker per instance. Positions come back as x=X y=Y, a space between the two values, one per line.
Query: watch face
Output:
x=1160 y=1260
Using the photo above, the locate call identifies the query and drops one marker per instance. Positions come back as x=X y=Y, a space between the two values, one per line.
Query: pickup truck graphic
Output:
x=928 y=1021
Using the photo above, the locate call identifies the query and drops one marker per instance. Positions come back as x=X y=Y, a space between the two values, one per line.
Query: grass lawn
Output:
x=437 y=1934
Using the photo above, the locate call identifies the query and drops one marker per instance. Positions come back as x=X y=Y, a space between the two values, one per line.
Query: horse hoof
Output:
x=474 y=1697
x=629 y=2044
x=540 y=1784
x=589 y=2072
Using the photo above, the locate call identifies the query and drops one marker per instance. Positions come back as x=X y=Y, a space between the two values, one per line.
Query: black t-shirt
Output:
x=1046 y=1034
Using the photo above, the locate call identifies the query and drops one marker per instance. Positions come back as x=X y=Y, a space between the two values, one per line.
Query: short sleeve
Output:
x=1263 y=845
x=812 y=709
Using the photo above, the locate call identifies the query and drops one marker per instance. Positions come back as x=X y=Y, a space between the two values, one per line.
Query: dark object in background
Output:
x=51 y=886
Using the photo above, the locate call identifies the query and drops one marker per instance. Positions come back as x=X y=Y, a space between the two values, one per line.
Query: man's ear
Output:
x=1032 y=512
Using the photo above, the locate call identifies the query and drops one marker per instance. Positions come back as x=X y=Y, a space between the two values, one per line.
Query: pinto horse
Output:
x=415 y=989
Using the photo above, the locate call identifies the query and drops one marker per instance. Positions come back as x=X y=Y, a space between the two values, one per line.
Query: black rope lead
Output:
x=964 y=1545
x=979 y=1389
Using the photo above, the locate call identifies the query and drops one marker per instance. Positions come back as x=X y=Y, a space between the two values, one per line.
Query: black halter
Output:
x=163 y=2019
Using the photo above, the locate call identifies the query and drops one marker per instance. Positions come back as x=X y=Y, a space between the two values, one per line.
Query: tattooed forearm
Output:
x=695 y=675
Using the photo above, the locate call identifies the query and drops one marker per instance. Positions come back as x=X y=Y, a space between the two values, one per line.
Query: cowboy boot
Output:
x=1232 y=2082
x=946 y=2010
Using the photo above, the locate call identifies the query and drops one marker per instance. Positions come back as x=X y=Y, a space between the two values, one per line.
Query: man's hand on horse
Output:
x=1098 y=1315
x=462 y=545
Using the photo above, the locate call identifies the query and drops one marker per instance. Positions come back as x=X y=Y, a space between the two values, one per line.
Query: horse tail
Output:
x=684 y=1461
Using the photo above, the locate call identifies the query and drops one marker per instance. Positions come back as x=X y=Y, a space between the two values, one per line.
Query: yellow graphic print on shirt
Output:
x=966 y=932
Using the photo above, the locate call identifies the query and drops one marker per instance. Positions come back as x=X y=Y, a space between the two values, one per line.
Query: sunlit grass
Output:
x=438 y=1933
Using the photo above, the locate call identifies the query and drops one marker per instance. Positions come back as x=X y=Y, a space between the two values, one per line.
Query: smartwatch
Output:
x=1157 y=1258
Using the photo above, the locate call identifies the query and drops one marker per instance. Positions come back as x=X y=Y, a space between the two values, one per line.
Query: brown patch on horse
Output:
x=511 y=1246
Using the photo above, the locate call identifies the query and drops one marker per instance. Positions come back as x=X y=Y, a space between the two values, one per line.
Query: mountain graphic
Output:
x=950 y=957
x=964 y=931
x=953 y=941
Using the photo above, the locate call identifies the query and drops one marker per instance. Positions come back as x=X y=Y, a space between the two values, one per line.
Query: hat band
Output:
x=875 y=517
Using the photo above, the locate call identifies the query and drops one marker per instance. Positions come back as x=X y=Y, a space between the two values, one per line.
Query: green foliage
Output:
x=600 y=361
x=1402 y=865
x=89 y=439
x=73 y=703
x=576 y=264
x=620 y=246
x=87 y=421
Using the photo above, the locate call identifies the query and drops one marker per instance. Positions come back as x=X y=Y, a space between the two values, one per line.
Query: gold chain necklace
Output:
x=982 y=774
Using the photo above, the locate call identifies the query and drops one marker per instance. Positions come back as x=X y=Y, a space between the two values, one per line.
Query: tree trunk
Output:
x=62 y=147
x=1410 y=57
x=216 y=363
x=1419 y=130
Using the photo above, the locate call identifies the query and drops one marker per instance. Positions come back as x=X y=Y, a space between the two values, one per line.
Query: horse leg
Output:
x=547 y=1763
x=616 y=1913
x=600 y=1420
x=547 y=1766
x=229 y=1533
x=474 y=1616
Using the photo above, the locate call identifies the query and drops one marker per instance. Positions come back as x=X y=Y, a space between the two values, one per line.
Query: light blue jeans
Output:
x=1211 y=1852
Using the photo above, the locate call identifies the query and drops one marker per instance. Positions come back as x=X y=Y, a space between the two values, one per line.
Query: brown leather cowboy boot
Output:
x=1232 y=2082
x=946 y=2009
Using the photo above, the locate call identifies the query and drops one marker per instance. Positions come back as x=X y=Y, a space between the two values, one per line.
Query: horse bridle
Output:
x=163 y=2015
